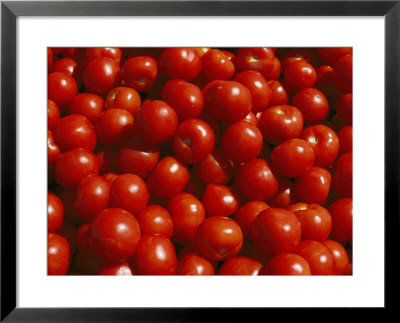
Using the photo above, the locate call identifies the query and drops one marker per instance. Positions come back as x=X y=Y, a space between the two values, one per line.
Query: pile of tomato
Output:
x=200 y=161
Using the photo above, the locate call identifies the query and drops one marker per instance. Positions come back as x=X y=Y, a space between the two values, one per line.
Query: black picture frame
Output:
x=10 y=10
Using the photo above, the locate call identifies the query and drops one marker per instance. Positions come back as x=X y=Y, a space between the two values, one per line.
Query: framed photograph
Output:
x=206 y=148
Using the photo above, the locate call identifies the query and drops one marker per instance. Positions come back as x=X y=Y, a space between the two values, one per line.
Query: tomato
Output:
x=314 y=185
x=284 y=196
x=287 y=264
x=61 y=89
x=276 y=70
x=155 y=121
x=259 y=59
x=300 y=75
x=244 y=266
x=241 y=142
x=247 y=213
x=67 y=66
x=119 y=269
x=114 y=234
x=124 y=98
x=74 y=165
x=215 y=65
x=168 y=178
x=58 y=255
x=101 y=75
x=155 y=219
x=75 y=131
x=325 y=143
x=279 y=93
x=318 y=256
x=140 y=72
x=155 y=255
x=256 y=180
x=219 y=238
x=53 y=151
x=313 y=105
x=194 y=264
x=344 y=107
x=87 y=104
x=110 y=52
x=342 y=180
x=228 y=101
x=298 y=54
x=55 y=213
x=325 y=81
x=137 y=156
x=342 y=219
x=92 y=196
x=53 y=114
x=345 y=136
x=343 y=74
x=113 y=126
x=276 y=230
x=332 y=54
x=182 y=63
x=293 y=157
x=187 y=213
x=280 y=123
x=339 y=254
x=220 y=200
x=216 y=168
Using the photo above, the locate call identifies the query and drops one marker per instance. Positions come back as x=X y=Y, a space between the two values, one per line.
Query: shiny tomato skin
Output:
x=92 y=196
x=300 y=75
x=53 y=151
x=345 y=136
x=193 y=141
x=55 y=213
x=123 y=97
x=113 y=126
x=241 y=142
x=276 y=230
x=342 y=179
x=287 y=264
x=220 y=200
x=185 y=98
x=67 y=66
x=155 y=219
x=312 y=103
x=110 y=52
x=74 y=165
x=140 y=72
x=137 y=156
x=219 y=238
x=87 y=104
x=276 y=70
x=155 y=255
x=293 y=157
x=318 y=256
x=194 y=264
x=170 y=85
x=260 y=59
x=129 y=192
x=119 y=269
x=339 y=254
x=168 y=178
x=279 y=93
x=343 y=74
x=61 y=89
x=332 y=54
x=182 y=63
x=314 y=185
x=156 y=121
x=325 y=143
x=240 y=266
x=228 y=101
x=342 y=219
x=58 y=255
x=247 y=214
x=187 y=212
x=298 y=54
x=53 y=114
x=216 y=168
x=280 y=123
x=215 y=65
x=75 y=131
x=101 y=75
x=325 y=81
x=256 y=180
x=114 y=234
x=344 y=107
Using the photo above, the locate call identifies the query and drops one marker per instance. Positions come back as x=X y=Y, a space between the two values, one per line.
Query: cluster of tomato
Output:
x=200 y=161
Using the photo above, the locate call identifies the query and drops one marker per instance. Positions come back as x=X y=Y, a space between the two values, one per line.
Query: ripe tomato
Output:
x=298 y=54
x=220 y=200
x=343 y=74
x=58 y=255
x=155 y=219
x=53 y=114
x=345 y=136
x=300 y=75
x=61 y=89
x=244 y=266
x=110 y=52
x=119 y=269
x=279 y=93
x=53 y=151
x=332 y=54
x=140 y=73
x=87 y=104
x=216 y=168
x=194 y=264
x=182 y=63
x=259 y=59
x=314 y=185
x=55 y=213
x=339 y=254
x=247 y=213
x=124 y=98
x=313 y=105
x=318 y=256
x=287 y=264
x=284 y=196
x=215 y=65
x=67 y=66
x=342 y=219
x=342 y=180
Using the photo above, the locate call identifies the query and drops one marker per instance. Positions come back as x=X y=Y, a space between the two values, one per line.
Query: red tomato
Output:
x=58 y=255
x=67 y=66
x=55 y=213
x=228 y=101
x=53 y=114
x=124 y=98
x=284 y=196
x=279 y=93
x=216 y=66
x=325 y=81
x=343 y=74
x=220 y=200
x=342 y=219
x=256 y=180
x=187 y=213
x=155 y=219
x=298 y=54
x=280 y=123
x=287 y=264
x=313 y=105
x=344 y=107
x=219 y=238
x=293 y=157
x=342 y=180
x=244 y=266
x=318 y=256
x=114 y=234
x=87 y=104
x=93 y=52
x=61 y=89
x=246 y=215
x=241 y=142
x=140 y=72
x=332 y=54
x=155 y=255
x=119 y=269
x=53 y=151
x=276 y=230
x=194 y=264
x=182 y=63
x=300 y=75
x=258 y=59
x=345 y=136
x=339 y=254
x=275 y=72
x=314 y=185
x=216 y=168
